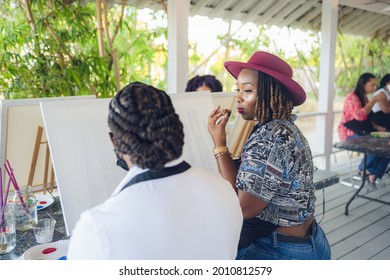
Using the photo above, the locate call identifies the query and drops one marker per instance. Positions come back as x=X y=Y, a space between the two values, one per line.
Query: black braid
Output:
x=273 y=99
x=145 y=126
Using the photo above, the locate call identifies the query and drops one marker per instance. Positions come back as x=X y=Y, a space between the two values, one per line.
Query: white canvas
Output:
x=193 y=110
x=82 y=154
x=19 y=120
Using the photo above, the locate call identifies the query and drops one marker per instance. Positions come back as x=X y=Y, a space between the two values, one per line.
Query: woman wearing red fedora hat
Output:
x=274 y=180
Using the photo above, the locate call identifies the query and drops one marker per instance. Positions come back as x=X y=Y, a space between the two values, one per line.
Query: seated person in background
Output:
x=356 y=104
x=381 y=109
x=204 y=83
x=357 y=107
x=163 y=208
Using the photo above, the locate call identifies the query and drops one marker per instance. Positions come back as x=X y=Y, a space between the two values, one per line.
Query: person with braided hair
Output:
x=274 y=177
x=163 y=208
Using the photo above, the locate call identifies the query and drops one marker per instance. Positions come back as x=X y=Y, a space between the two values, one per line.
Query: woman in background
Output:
x=204 y=83
x=381 y=109
x=357 y=107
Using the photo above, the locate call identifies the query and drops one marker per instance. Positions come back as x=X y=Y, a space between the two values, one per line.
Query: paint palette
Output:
x=43 y=201
x=49 y=251
x=380 y=134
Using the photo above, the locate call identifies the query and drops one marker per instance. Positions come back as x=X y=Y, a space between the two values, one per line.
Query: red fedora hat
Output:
x=273 y=66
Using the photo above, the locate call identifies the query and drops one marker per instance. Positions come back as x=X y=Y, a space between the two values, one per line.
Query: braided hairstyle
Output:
x=145 y=126
x=273 y=100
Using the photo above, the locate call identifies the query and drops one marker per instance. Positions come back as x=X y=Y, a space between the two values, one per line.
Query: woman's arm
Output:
x=370 y=104
x=226 y=166
x=250 y=205
x=383 y=103
x=354 y=109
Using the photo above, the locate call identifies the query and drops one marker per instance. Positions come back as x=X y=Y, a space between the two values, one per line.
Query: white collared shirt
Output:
x=191 y=215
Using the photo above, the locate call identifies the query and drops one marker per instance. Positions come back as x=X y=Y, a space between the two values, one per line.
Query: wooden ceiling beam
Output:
x=303 y=9
x=195 y=9
x=257 y=10
x=379 y=25
x=304 y=21
x=238 y=12
x=358 y=22
x=272 y=11
x=348 y=14
x=221 y=9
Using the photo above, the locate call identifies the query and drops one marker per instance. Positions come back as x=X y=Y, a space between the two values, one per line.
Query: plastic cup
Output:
x=44 y=230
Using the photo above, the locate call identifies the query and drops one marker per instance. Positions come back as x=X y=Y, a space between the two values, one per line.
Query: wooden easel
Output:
x=38 y=142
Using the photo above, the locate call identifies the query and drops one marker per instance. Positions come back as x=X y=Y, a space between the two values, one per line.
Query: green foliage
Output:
x=47 y=61
x=59 y=55
x=357 y=55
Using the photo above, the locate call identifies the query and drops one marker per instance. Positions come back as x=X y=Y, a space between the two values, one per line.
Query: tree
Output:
x=55 y=48
x=50 y=48
x=357 y=55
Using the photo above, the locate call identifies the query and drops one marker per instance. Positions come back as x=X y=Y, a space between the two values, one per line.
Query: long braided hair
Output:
x=145 y=126
x=273 y=101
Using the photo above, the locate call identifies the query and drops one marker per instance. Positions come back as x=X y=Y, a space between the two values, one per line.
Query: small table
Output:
x=366 y=145
x=26 y=239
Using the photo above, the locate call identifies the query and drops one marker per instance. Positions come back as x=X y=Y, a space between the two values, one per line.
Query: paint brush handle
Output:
x=16 y=186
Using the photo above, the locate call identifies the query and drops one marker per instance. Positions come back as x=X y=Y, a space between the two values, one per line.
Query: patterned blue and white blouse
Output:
x=277 y=167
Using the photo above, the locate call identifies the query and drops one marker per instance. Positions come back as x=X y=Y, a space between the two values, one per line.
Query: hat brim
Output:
x=296 y=92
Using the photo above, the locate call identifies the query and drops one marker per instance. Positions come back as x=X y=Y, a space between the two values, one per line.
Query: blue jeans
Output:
x=270 y=248
x=374 y=164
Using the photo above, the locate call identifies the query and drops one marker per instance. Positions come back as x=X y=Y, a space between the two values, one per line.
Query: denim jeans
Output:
x=270 y=248
x=374 y=164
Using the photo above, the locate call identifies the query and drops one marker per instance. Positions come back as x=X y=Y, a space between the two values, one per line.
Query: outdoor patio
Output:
x=365 y=233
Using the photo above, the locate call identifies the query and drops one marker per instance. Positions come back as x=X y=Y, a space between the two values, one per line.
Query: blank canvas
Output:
x=20 y=119
x=82 y=154
x=193 y=109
